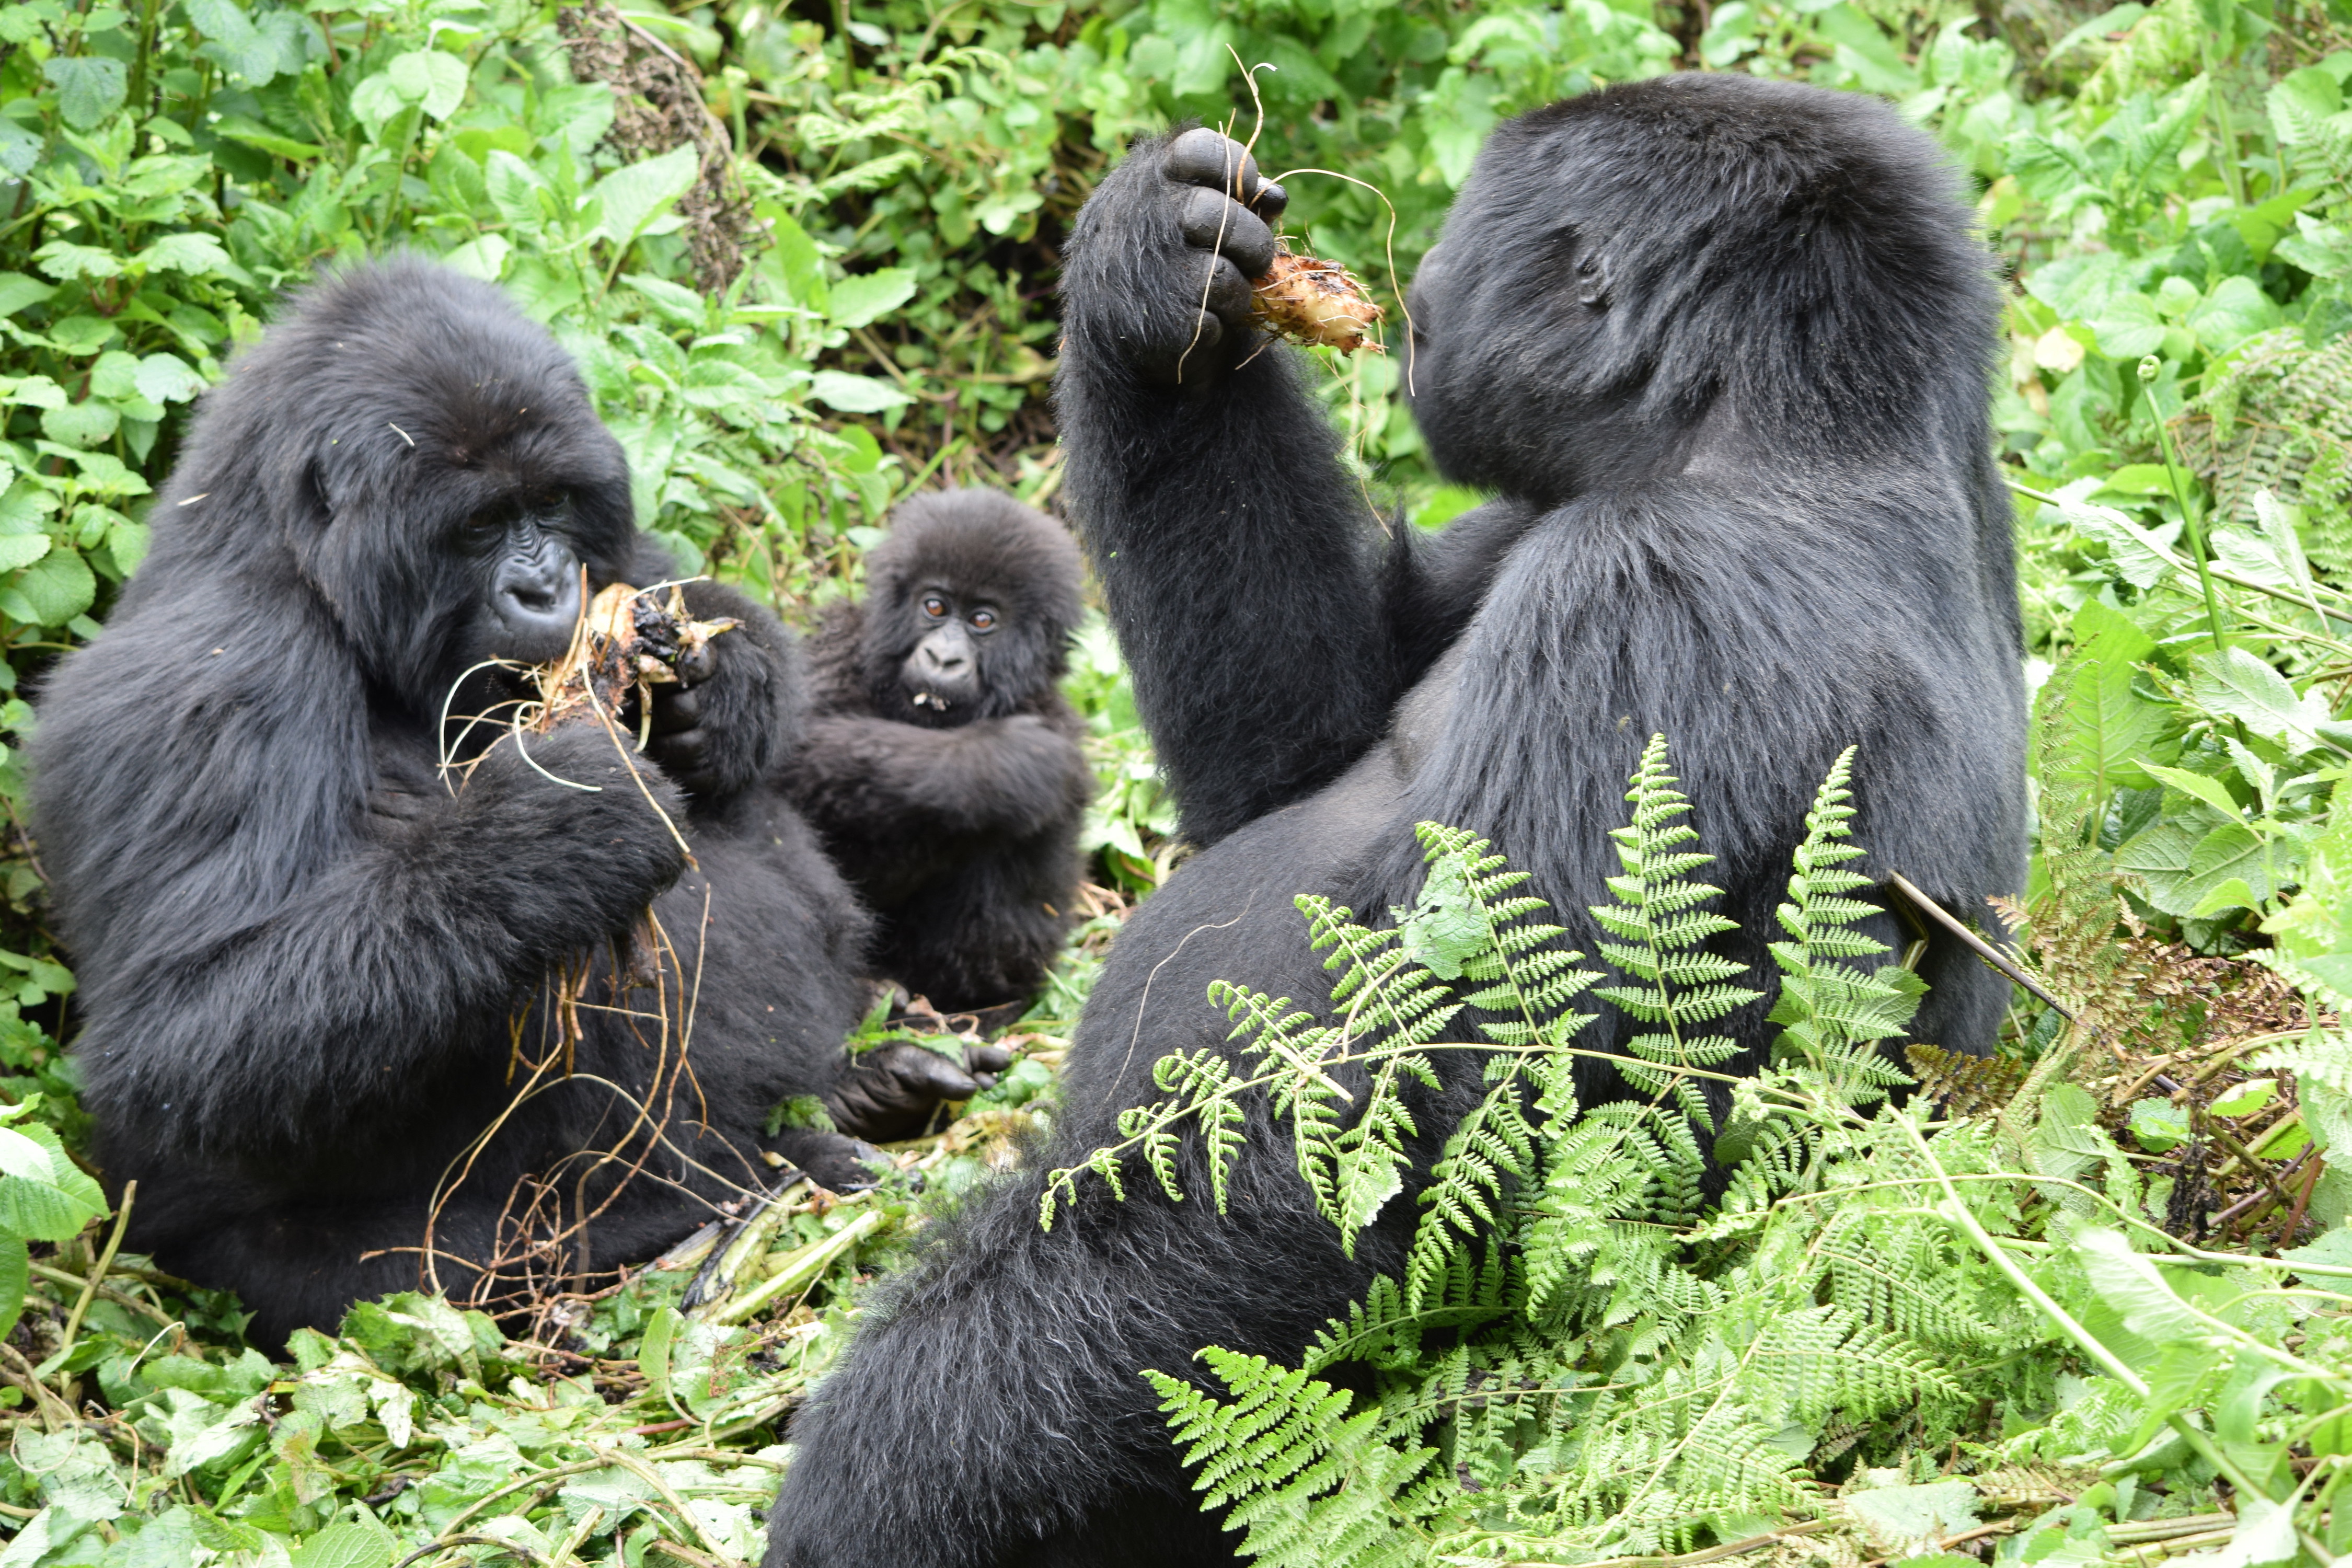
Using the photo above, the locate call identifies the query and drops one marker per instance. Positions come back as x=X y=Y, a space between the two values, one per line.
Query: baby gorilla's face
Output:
x=943 y=674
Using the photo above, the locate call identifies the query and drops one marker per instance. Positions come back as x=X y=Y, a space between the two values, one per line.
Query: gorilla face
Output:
x=970 y=602
x=447 y=490
x=530 y=569
x=947 y=669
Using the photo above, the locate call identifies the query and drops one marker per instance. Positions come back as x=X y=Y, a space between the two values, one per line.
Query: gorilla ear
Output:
x=1592 y=279
x=310 y=489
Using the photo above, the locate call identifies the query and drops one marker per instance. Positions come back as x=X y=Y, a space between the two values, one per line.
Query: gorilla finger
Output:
x=934 y=1075
x=697 y=666
x=1270 y=201
x=1217 y=223
x=1229 y=292
x=987 y=1058
x=674 y=713
x=1205 y=157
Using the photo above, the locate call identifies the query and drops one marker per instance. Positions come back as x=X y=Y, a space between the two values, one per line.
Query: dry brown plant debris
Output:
x=658 y=105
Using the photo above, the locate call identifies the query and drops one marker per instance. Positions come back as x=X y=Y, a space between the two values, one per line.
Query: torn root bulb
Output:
x=1311 y=300
x=629 y=640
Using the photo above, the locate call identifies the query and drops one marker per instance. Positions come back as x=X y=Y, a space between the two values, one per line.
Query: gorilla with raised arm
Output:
x=1721 y=349
x=318 y=966
x=942 y=766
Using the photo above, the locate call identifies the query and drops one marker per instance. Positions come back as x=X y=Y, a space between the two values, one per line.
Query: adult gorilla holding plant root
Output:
x=343 y=1005
x=1721 y=348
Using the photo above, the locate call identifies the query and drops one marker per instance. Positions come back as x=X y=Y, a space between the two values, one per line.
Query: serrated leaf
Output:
x=630 y=197
x=89 y=87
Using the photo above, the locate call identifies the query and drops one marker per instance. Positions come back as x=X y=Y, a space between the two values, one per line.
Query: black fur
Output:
x=300 y=951
x=1722 y=347
x=957 y=823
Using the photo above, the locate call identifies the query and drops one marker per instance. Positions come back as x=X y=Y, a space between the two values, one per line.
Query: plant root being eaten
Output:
x=629 y=640
x=1313 y=301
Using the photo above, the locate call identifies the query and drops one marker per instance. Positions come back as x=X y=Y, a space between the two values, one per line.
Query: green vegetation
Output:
x=2048 y=1308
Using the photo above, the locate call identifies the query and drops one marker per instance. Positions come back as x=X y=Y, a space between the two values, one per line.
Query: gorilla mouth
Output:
x=932 y=699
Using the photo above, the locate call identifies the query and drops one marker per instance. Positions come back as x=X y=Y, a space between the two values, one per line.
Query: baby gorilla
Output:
x=942 y=766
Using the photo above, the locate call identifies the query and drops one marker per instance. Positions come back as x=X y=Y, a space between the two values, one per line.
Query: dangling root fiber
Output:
x=1310 y=301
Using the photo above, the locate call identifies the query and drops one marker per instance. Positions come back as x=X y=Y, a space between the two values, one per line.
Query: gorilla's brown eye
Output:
x=983 y=620
x=934 y=606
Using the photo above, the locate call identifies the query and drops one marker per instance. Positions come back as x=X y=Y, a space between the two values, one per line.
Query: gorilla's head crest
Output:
x=395 y=432
x=979 y=549
x=1625 y=267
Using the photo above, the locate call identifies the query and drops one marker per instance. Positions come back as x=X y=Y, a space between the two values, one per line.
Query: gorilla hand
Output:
x=607 y=846
x=716 y=731
x=891 y=1093
x=1162 y=271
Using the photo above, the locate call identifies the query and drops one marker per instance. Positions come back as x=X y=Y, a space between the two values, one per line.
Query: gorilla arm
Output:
x=292 y=1023
x=878 y=781
x=1269 y=625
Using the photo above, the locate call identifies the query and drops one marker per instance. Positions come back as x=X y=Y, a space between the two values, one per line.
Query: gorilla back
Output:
x=1721 y=348
x=317 y=967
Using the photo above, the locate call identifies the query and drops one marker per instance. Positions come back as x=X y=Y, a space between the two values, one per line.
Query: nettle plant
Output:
x=1584 y=1357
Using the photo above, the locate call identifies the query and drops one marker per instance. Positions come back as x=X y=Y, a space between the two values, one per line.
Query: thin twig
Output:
x=1975 y=943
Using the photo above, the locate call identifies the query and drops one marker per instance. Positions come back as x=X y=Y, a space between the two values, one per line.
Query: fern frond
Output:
x=1309 y=1481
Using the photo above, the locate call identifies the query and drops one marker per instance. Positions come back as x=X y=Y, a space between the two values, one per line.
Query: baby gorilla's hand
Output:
x=1192 y=226
x=891 y=1093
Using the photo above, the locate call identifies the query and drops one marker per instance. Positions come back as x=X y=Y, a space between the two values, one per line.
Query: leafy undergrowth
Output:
x=643 y=1418
x=1967 y=1323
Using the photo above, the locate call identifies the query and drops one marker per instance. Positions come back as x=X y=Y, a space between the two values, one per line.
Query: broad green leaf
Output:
x=2184 y=860
x=859 y=300
x=2246 y=1099
x=18 y=291
x=346 y=1545
x=40 y=1211
x=89 y=87
x=66 y=261
x=2235 y=311
x=375 y=101
x=79 y=423
x=1900 y=1517
x=2139 y=558
x=21 y=1156
x=197 y=254
x=431 y=78
x=2301 y=104
x=855 y=394
x=52 y=591
x=2129 y=1283
x=792 y=263
x=484 y=258
x=2209 y=790
x=2159 y=1125
x=22 y=550
x=2128 y=327
x=15 y=1279
x=515 y=188
x=166 y=378
x=2236 y=685
x=632 y=196
x=251 y=133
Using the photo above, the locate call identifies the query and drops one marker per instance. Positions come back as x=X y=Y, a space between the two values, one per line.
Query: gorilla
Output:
x=1720 y=349
x=942 y=767
x=356 y=1018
